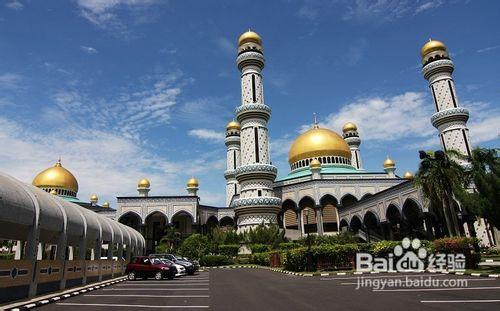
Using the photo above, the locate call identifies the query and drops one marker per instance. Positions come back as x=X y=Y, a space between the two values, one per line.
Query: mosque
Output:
x=327 y=189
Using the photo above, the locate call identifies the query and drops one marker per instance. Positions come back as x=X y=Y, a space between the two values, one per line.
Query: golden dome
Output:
x=53 y=192
x=349 y=126
x=233 y=125
x=94 y=198
x=408 y=176
x=432 y=46
x=192 y=183
x=56 y=177
x=318 y=142
x=249 y=36
x=315 y=164
x=105 y=204
x=143 y=183
x=389 y=163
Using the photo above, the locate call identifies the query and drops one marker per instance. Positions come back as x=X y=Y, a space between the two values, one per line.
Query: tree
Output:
x=439 y=176
x=194 y=247
x=484 y=200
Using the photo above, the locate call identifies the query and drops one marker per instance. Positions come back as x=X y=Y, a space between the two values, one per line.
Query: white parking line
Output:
x=434 y=289
x=160 y=296
x=383 y=276
x=461 y=301
x=178 y=289
x=128 y=306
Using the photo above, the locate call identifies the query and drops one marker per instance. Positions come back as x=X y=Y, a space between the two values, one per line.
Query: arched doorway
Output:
x=155 y=228
x=393 y=224
x=329 y=213
x=212 y=223
x=290 y=221
x=131 y=219
x=183 y=223
x=348 y=200
x=355 y=224
x=227 y=222
x=413 y=219
x=306 y=206
x=344 y=225
x=372 y=225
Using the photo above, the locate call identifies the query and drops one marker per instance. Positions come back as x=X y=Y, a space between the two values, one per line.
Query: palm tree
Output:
x=438 y=176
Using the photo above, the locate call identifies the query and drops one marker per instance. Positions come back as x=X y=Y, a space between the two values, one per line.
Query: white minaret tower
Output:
x=351 y=137
x=450 y=119
x=257 y=203
x=233 y=160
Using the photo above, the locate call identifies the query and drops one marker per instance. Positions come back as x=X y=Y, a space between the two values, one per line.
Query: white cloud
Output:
x=206 y=111
x=88 y=49
x=103 y=13
x=488 y=49
x=308 y=12
x=10 y=80
x=387 y=10
x=226 y=45
x=15 y=5
x=206 y=134
x=429 y=5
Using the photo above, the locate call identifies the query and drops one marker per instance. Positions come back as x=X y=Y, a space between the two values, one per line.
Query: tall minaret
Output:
x=257 y=203
x=450 y=119
x=233 y=159
x=351 y=137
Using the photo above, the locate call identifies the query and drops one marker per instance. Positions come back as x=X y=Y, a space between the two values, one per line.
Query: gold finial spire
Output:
x=315 y=121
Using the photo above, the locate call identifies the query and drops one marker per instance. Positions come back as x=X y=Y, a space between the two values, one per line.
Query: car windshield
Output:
x=156 y=261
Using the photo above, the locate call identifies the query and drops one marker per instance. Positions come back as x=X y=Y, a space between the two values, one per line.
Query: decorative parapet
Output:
x=250 y=58
x=256 y=201
x=437 y=66
x=229 y=174
x=266 y=170
x=253 y=110
x=450 y=115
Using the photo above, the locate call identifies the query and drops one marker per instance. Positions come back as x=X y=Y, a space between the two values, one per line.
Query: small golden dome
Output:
x=315 y=164
x=94 y=198
x=349 y=126
x=318 y=142
x=143 y=183
x=249 y=36
x=192 y=183
x=53 y=192
x=432 y=46
x=388 y=163
x=56 y=177
x=233 y=125
x=408 y=176
x=105 y=204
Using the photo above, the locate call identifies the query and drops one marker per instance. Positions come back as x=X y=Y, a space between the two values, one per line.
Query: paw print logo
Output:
x=412 y=254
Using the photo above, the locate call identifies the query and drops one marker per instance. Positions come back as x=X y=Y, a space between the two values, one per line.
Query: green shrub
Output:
x=383 y=248
x=459 y=245
x=229 y=250
x=243 y=259
x=331 y=257
x=7 y=256
x=194 y=247
x=288 y=245
x=259 y=248
x=295 y=259
x=215 y=260
x=261 y=259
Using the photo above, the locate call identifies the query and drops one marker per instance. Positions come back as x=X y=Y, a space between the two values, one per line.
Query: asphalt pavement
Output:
x=260 y=289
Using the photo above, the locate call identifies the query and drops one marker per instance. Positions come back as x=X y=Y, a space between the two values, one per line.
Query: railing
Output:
x=23 y=278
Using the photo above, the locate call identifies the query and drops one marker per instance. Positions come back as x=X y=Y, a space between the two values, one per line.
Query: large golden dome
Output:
x=318 y=142
x=432 y=46
x=249 y=36
x=56 y=177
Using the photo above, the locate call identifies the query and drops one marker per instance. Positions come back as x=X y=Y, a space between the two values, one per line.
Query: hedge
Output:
x=288 y=245
x=261 y=259
x=259 y=248
x=459 y=245
x=215 y=260
x=230 y=250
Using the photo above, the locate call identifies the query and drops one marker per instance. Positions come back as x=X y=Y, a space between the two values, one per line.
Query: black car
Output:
x=190 y=267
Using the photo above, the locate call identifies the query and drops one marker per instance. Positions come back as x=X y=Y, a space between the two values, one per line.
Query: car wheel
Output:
x=158 y=275
x=131 y=276
x=190 y=272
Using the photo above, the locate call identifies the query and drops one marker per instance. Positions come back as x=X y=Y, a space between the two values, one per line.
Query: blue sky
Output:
x=125 y=89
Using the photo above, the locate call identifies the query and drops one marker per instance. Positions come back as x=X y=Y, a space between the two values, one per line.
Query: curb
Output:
x=63 y=295
x=348 y=272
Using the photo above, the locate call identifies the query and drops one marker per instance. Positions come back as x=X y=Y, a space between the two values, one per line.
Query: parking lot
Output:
x=259 y=289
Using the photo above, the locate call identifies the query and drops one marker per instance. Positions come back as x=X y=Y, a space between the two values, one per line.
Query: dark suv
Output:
x=190 y=267
x=146 y=267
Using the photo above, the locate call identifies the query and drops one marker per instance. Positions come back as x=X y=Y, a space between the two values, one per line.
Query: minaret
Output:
x=233 y=160
x=351 y=137
x=93 y=200
x=143 y=187
x=390 y=167
x=257 y=203
x=450 y=119
x=192 y=187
